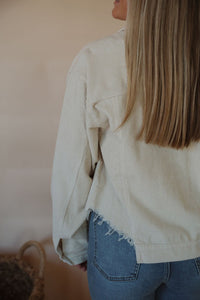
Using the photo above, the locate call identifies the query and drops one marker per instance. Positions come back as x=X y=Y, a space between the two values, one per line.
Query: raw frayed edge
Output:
x=112 y=228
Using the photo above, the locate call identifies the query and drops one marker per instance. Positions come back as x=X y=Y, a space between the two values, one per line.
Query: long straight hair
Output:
x=162 y=45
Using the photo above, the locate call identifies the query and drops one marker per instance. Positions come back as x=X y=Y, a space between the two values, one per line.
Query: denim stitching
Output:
x=167 y=268
x=95 y=241
x=197 y=263
x=134 y=276
x=135 y=273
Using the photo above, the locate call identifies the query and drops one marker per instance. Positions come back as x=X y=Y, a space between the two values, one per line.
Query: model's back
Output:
x=155 y=189
x=125 y=182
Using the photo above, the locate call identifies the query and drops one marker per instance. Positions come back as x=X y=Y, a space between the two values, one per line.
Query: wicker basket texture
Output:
x=18 y=279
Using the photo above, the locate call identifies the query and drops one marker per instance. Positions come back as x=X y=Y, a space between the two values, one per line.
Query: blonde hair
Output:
x=163 y=60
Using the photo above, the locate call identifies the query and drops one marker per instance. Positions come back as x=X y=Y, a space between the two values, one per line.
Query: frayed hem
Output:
x=112 y=228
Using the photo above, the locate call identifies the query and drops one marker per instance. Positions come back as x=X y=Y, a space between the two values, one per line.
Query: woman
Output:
x=125 y=182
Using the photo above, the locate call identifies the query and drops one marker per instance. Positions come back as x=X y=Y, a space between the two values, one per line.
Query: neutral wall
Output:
x=38 y=40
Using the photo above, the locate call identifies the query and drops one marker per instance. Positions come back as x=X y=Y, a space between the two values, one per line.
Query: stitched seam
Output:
x=111 y=278
x=166 y=245
x=97 y=100
x=197 y=264
x=74 y=185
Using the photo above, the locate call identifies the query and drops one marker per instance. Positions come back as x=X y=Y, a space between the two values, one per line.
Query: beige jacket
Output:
x=149 y=194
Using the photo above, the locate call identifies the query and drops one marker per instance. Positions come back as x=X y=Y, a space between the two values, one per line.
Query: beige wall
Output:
x=38 y=40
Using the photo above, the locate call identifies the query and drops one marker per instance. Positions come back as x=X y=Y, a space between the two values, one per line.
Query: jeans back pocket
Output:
x=116 y=260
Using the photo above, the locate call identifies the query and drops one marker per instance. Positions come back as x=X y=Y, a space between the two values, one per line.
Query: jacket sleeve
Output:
x=71 y=181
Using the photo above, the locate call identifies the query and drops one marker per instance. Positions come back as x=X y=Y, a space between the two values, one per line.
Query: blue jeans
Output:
x=114 y=274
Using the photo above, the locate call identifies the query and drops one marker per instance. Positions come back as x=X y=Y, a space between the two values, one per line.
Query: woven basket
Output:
x=19 y=280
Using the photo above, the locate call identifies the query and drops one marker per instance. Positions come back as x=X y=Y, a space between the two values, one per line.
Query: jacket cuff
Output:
x=74 y=260
x=69 y=258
